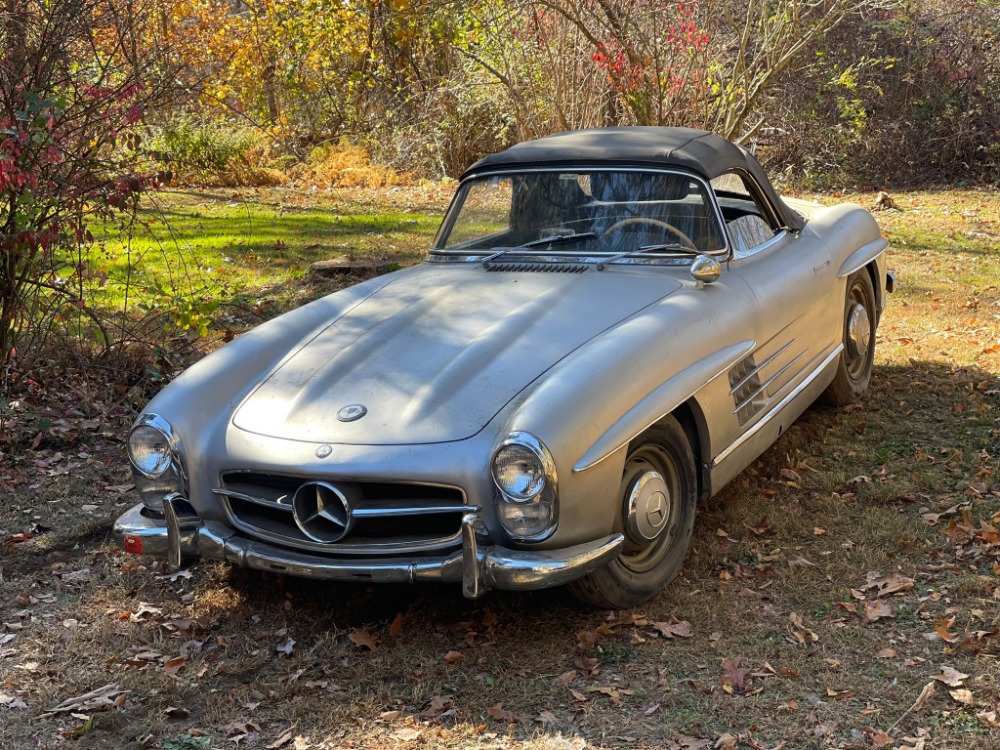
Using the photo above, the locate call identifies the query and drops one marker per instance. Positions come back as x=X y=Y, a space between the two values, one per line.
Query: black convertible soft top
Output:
x=698 y=151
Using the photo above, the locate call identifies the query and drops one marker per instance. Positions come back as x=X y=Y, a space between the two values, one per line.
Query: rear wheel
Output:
x=854 y=370
x=657 y=499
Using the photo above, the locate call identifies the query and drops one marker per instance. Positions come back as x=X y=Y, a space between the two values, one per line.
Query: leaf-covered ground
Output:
x=841 y=593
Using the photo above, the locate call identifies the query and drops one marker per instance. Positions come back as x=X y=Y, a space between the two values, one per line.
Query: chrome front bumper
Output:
x=182 y=536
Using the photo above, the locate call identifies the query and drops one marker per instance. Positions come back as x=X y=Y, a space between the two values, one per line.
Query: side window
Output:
x=745 y=218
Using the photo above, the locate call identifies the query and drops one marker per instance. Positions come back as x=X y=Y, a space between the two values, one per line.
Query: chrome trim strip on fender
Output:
x=661 y=401
x=763 y=386
x=758 y=368
x=777 y=409
x=862 y=257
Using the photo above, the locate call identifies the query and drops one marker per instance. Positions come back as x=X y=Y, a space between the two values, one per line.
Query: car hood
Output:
x=436 y=354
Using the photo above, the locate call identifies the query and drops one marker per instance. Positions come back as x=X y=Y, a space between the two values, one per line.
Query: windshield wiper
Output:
x=648 y=249
x=555 y=238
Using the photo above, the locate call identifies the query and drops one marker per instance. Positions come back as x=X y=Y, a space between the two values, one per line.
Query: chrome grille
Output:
x=388 y=518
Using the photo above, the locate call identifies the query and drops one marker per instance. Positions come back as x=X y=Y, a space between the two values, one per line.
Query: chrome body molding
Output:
x=479 y=567
x=651 y=259
x=751 y=251
x=750 y=433
x=437 y=251
x=762 y=388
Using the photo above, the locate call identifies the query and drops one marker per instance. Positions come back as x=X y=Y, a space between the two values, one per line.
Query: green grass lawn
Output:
x=220 y=245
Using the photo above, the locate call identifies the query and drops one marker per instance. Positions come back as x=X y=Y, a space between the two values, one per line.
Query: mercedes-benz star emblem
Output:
x=322 y=512
x=351 y=412
x=324 y=451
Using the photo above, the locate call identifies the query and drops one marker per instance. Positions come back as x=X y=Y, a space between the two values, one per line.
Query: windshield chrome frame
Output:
x=440 y=255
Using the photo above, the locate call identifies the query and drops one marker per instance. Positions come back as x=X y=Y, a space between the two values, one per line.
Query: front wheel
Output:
x=854 y=371
x=656 y=500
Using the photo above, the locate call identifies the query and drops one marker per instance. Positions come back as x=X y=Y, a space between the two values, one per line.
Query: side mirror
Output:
x=705 y=269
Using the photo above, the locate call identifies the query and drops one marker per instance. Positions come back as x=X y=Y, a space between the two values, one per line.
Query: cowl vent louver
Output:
x=537 y=267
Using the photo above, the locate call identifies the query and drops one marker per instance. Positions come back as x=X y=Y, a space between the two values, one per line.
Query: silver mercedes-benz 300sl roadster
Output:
x=610 y=325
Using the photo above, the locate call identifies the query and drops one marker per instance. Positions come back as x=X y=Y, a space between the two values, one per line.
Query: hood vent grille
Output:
x=537 y=267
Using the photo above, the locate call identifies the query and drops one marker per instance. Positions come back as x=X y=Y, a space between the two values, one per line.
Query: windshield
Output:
x=582 y=213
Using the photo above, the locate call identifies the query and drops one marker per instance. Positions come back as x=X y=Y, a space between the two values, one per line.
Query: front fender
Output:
x=589 y=406
x=662 y=401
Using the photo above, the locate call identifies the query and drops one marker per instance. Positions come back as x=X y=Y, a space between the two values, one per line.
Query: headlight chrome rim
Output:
x=170 y=459
x=545 y=494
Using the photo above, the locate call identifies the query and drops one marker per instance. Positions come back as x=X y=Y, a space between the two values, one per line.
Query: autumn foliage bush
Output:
x=348 y=165
x=71 y=102
x=215 y=152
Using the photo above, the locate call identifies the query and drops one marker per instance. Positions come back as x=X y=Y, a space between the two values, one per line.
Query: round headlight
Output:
x=518 y=471
x=149 y=450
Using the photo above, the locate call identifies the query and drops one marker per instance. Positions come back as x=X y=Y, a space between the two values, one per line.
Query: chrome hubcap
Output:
x=859 y=331
x=648 y=507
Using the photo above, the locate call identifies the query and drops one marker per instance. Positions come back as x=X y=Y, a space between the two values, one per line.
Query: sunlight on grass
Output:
x=221 y=244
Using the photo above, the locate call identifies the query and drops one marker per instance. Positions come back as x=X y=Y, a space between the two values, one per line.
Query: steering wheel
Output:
x=638 y=220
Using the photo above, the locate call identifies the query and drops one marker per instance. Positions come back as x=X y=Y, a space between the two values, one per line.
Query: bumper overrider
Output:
x=182 y=537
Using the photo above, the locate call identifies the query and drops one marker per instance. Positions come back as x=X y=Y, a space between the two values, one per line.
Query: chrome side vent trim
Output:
x=749 y=392
x=746 y=389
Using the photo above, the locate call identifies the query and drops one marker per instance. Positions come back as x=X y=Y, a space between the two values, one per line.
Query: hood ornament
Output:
x=352 y=412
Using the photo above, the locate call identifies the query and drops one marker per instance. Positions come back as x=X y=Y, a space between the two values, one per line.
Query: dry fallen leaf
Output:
x=951 y=677
x=840 y=695
x=894 y=583
x=397 y=625
x=499 y=713
x=683 y=742
x=942 y=628
x=284 y=738
x=361 y=639
x=406 y=734
x=878 y=737
x=963 y=696
x=925 y=695
x=989 y=718
x=734 y=677
x=674 y=628
x=886 y=653
x=587 y=639
x=877 y=610
x=452 y=656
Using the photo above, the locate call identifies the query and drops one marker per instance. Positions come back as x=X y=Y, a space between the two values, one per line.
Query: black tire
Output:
x=854 y=370
x=645 y=567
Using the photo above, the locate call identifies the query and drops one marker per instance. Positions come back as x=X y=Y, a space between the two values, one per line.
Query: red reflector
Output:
x=133 y=544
